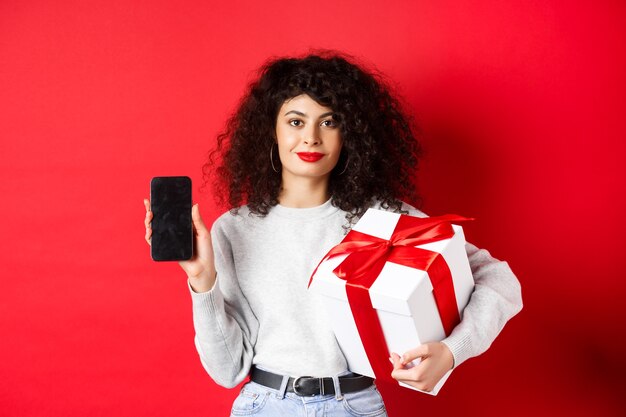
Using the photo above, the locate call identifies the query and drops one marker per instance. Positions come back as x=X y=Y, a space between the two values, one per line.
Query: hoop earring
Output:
x=345 y=167
x=272 y=158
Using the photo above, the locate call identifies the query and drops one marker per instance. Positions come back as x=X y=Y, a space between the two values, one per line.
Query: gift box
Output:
x=409 y=274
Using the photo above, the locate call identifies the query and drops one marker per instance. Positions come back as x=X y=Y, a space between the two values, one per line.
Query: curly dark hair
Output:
x=380 y=150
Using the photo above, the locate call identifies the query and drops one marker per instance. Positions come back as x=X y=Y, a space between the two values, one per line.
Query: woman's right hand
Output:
x=201 y=267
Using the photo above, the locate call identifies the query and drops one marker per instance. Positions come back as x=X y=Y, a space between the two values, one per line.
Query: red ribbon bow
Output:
x=366 y=258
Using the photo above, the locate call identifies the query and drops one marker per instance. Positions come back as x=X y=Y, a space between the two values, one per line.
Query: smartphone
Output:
x=172 y=233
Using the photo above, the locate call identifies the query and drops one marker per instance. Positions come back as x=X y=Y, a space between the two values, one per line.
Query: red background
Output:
x=522 y=104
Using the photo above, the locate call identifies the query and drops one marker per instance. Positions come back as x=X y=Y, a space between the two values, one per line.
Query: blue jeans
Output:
x=258 y=400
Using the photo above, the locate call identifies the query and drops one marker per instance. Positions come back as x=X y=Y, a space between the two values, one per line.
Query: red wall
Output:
x=522 y=104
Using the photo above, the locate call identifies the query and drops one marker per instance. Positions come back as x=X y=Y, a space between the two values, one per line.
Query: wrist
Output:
x=202 y=282
x=447 y=354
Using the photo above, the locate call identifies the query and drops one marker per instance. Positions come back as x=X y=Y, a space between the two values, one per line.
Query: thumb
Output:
x=197 y=220
x=421 y=351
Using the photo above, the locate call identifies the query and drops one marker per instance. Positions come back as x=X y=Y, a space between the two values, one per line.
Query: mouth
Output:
x=310 y=156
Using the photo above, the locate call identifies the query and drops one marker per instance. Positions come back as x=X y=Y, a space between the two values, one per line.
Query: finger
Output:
x=412 y=380
x=149 y=236
x=405 y=375
x=421 y=351
x=197 y=220
x=395 y=360
x=148 y=220
x=146 y=204
x=422 y=385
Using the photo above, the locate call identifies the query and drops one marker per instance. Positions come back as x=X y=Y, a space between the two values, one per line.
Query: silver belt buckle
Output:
x=295 y=385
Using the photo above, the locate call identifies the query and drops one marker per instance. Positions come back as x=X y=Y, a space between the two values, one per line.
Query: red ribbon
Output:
x=366 y=258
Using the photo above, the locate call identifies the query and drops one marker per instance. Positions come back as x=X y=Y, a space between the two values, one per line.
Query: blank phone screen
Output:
x=170 y=201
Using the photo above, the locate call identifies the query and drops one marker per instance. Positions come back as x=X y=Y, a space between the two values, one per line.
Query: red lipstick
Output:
x=310 y=156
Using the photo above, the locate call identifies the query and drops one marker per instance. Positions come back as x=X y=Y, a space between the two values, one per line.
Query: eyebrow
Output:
x=299 y=113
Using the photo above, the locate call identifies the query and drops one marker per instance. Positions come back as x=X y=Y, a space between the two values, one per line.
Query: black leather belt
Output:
x=307 y=386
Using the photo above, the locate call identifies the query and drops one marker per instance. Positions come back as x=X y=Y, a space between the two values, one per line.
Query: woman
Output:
x=313 y=144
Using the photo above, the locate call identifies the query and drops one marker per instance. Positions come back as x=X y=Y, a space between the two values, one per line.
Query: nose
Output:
x=312 y=137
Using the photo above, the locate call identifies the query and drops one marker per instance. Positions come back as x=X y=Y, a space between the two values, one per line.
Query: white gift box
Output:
x=402 y=296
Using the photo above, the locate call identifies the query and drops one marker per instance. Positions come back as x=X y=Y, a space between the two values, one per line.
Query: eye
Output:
x=329 y=123
x=295 y=122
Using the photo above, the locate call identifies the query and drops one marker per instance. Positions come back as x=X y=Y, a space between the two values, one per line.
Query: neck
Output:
x=303 y=192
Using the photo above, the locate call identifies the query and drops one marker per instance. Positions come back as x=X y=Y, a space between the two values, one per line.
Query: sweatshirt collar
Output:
x=316 y=212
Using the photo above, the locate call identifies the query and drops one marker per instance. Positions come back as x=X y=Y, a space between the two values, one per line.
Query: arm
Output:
x=226 y=328
x=495 y=299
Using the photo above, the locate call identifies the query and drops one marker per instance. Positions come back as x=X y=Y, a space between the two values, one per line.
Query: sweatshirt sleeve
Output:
x=225 y=326
x=496 y=299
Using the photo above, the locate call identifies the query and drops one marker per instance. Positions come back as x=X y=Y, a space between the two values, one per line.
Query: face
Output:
x=309 y=140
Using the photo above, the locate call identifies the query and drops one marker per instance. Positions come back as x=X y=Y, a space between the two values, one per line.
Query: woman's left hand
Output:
x=436 y=360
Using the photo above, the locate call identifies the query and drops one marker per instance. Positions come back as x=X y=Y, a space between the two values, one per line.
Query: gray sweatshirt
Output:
x=261 y=312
